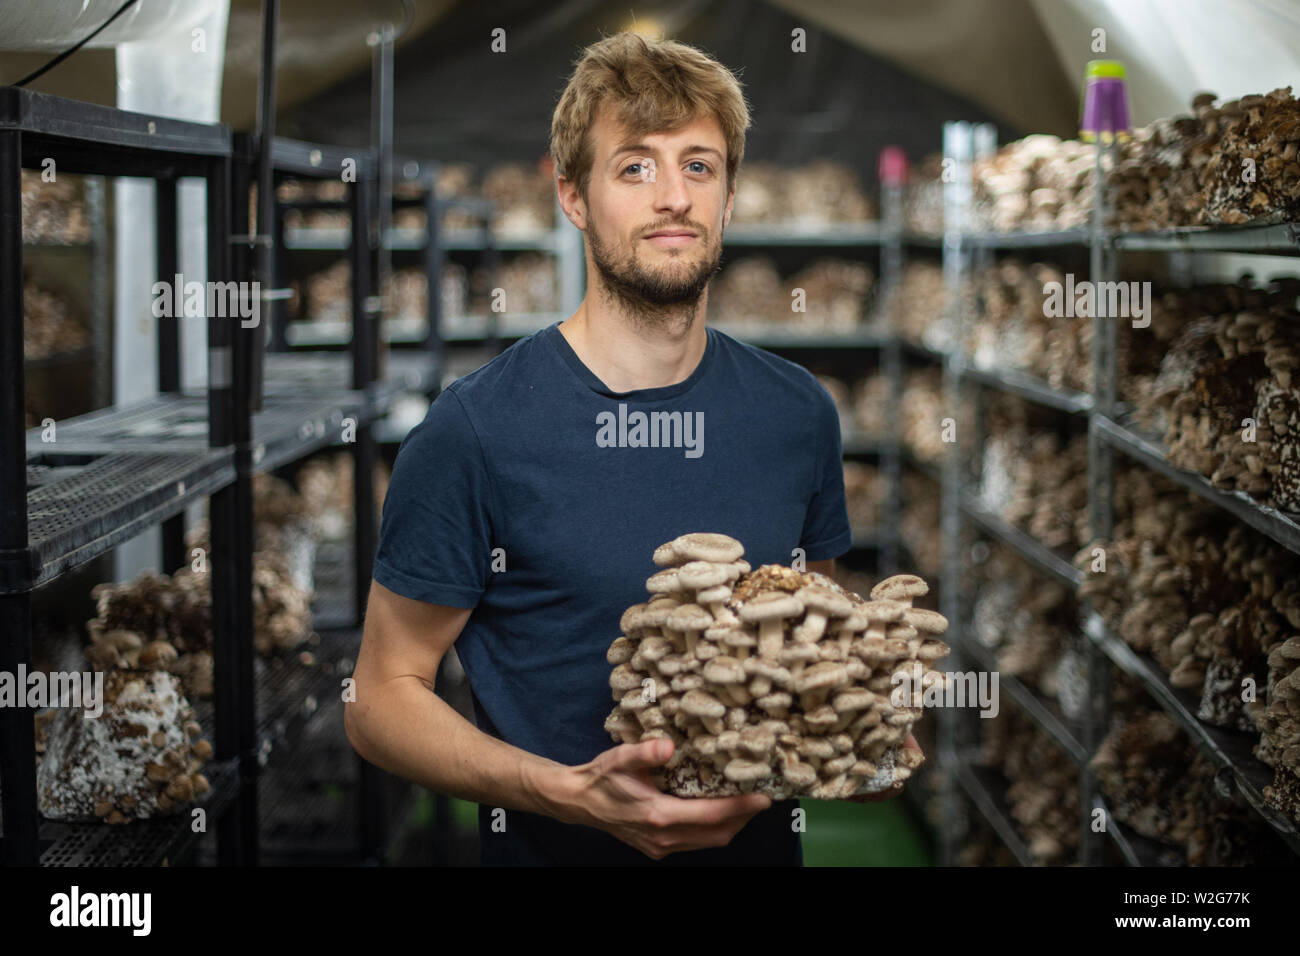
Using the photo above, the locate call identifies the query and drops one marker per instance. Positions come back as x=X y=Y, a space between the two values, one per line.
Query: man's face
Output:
x=655 y=209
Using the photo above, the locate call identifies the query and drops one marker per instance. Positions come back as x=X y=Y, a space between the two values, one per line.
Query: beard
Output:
x=653 y=293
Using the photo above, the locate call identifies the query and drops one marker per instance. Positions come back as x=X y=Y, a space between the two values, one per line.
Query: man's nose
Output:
x=671 y=195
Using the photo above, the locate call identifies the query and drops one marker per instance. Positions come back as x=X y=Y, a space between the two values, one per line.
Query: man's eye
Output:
x=704 y=168
x=634 y=166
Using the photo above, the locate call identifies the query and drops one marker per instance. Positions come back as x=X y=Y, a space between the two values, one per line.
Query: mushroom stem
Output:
x=813 y=627
x=771 y=636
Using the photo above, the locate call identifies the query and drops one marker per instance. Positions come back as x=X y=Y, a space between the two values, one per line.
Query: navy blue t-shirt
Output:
x=535 y=495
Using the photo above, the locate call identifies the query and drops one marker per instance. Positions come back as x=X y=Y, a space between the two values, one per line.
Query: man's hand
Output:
x=615 y=793
x=888 y=794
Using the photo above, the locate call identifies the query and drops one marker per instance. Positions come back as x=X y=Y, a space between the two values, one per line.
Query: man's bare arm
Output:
x=826 y=567
x=399 y=724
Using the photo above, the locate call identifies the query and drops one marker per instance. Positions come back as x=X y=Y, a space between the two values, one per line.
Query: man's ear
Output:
x=731 y=200
x=571 y=201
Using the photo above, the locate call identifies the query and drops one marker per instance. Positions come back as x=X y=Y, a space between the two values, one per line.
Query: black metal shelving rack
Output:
x=348 y=393
x=1109 y=432
x=60 y=507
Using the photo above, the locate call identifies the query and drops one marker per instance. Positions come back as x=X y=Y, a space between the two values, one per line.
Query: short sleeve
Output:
x=826 y=530
x=436 y=532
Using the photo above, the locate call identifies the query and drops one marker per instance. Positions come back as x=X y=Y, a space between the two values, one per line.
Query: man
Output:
x=520 y=522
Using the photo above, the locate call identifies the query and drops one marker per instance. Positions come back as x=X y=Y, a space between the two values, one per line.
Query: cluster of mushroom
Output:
x=1156 y=782
x=1038 y=182
x=1187 y=170
x=141 y=757
x=1042 y=794
x=155 y=622
x=1034 y=478
x=774 y=680
x=1223 y=373
x=1214 y=603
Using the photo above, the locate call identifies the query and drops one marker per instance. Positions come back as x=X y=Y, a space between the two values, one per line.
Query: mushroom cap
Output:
x=700 y=703
x=724 y=670
x=777 y=700
x=707 y=546
x=664 y=582
x=705 y=651
x=821 y=717
x=740 y=770
x=855 y=620
x=770 y=605
x=739 y=638
x=657 y=611
x=757 y=741
x=672 y=664
x=824 y=599
x=698 y=575
x=620 y=651
x=852 y=698
x=654 y=648
x=884 y=610
x=634 y=700
x=816 y=747
x=758 y=667
x=620 y=720
x=632 y=619
x=932 y=651
x=820 y=675
x=901 y=632
x=652 y=717
x=623 y=679
x=664 y=556
x=718 y=631
x=705 y=744
x=685 y=682
x=689 y=617
x=900 y=587
x=794 y=653
x=927 y=622
x=799 y=774
x=718 y=594
x=897 y=649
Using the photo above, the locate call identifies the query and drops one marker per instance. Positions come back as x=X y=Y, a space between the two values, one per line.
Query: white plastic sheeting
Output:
x=1172 y=49
x=173 y=73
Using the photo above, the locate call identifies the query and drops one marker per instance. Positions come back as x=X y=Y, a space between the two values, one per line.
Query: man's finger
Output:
x=707 y=811
x=643 y=756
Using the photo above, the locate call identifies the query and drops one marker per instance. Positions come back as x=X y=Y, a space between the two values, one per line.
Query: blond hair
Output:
x=652 y=85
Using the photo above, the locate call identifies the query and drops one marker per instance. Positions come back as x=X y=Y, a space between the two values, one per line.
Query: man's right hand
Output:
x=616 y=793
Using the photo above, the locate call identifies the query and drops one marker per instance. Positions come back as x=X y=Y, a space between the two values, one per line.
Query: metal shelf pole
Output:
x=434 y=259
x=891 y=271
x=167 y=249
x=231 y=518
x=957 y=148
x=17 y=724
x=1098 y=670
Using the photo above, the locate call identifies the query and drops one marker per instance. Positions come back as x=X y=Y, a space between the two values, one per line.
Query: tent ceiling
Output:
x=992 y=52
x=1018 y=61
